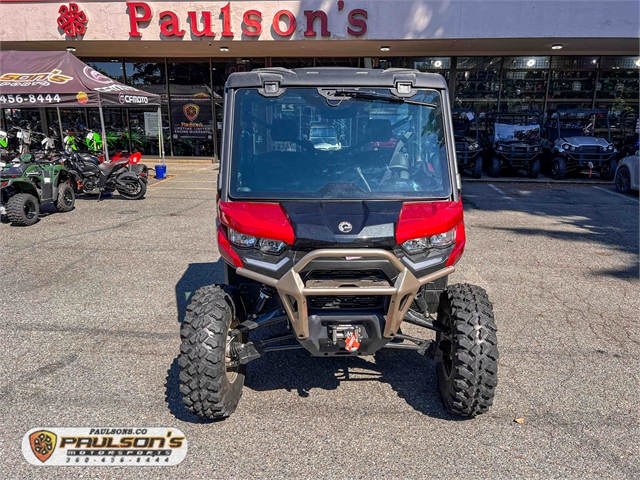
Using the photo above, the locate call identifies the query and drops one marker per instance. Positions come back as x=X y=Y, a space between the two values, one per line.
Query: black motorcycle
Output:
x=94 y=177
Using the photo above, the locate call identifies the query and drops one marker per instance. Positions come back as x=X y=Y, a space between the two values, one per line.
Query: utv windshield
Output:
x=314 y=143
x=517 y=128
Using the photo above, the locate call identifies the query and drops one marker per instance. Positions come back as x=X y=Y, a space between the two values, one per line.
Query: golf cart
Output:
x=515 y=143
x=580 y=139
x=468 y=149
x=340 y=248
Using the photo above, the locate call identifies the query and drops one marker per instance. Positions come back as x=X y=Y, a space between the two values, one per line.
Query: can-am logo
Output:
x=122 y=98
x=95 y=75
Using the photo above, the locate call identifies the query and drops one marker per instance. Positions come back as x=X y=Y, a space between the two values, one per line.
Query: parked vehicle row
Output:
x=567 y=141
x=31 y=180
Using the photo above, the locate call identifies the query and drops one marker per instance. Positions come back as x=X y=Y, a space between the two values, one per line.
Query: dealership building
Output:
x=507 y=55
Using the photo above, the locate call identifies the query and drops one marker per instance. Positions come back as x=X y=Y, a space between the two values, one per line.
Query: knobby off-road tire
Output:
x=495 y=167
x=66 y=198
x=210 y=389
x=476 y=172
x=468 y=372
x=608 y=171
x=534 y=168
x=23 y=209
x=558 y=168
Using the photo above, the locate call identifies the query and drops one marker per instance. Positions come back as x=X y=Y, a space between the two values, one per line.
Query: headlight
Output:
x=500 y=148
x=265 y=245
x=535 y=149
x=473 y=146
x=241 y=240
x=566 y=146
x=610 y=148
x=421 y=244
x=270 y=246
x=573 y=149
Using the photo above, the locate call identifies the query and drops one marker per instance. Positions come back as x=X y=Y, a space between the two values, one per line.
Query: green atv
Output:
x=27 y=185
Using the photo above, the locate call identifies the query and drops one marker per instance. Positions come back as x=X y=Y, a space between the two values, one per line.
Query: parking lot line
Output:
x=162 y=181
x=500 y=192
x=626 y=197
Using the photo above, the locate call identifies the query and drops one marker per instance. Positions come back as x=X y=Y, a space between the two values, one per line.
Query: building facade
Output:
x=507 y=55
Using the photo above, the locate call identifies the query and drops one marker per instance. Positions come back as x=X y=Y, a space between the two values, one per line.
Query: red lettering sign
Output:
x=134 y=19
x=140 y=13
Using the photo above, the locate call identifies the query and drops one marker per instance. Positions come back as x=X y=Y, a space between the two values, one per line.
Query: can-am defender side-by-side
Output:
x=26 y=185
x=578 y=140
x=515 y=143
x=342 y=245
x=468 y=149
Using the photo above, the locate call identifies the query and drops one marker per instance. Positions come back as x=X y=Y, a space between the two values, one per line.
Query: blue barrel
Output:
x=161 y=171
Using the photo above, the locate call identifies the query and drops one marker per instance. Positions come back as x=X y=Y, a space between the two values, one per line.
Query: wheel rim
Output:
x=232 y=344
x=445 y=344
x=29 y=210
x=623 y=180
x=67 y=197
x=133 y=188
x=554 y=168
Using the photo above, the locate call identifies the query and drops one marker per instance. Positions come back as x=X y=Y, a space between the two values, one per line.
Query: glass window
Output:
x=144 y=129
x=337 y=62
x=285 y=62
x=221 y=68
x=112 y=68
x=358 y=145
x=116 y=127
x=191 y=109
x=618 y=79
x=524 y=83
x=439 y=65
x=572 y=82
x=22 y=118
x=478 y=83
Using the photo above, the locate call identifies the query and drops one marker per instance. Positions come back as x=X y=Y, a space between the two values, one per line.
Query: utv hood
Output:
x=586 y=141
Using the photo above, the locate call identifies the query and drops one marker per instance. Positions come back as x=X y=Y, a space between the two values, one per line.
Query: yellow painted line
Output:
x=162 y=181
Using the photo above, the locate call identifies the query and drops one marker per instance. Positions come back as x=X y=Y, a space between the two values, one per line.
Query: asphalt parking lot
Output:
x=91 y=303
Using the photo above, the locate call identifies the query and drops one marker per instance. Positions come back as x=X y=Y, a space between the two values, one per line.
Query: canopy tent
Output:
x=59 y=79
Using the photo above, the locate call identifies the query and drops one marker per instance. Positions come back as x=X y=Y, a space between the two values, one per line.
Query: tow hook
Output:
x=590 y=169
x=351 y=334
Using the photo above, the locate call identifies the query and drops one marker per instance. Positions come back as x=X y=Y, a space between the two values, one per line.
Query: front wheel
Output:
x=211 y=379
x=558 y=168
x=623 y=180
x=534 y=168
x=23 y=210
x=468 y=372
x=66 y=198
x=477 y=167
x=495 y=167
x=134 y=189
x=608 y=170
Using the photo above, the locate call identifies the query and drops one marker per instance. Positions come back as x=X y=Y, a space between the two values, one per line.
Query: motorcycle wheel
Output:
x=135 y=190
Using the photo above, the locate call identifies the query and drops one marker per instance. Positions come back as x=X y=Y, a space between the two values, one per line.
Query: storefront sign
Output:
x=72 y=21
x=283 y=23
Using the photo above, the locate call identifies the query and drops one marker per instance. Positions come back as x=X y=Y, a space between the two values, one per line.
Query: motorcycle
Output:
x=93 y=177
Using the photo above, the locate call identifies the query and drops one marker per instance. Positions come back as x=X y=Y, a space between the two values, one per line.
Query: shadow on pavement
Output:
x=197 y=275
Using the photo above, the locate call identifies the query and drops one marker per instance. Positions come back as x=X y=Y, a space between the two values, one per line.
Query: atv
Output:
x=515 y=143
x=580 y=139
x=342 y=247
x=26 y=185
x=468 y=149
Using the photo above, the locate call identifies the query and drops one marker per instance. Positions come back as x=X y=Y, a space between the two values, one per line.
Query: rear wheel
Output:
x=134 y=189
x=468 y=372
x=495 y=167
x=608 y=170
x=623 y=180
x=66 y=198
x=23 y=209
x=211 y=379
x=534 y=168
x=477 y=167
x=558 y=168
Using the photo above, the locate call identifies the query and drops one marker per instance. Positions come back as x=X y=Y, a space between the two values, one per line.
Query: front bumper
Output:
x=293 y=291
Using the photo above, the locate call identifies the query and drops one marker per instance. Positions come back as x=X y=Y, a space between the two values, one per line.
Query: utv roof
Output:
x=335 y=77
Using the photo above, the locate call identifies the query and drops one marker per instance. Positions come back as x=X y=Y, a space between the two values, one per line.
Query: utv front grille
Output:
x=590 y=149
x=372 y=274
x=362 y=302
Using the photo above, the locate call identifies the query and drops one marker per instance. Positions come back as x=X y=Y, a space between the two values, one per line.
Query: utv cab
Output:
x=340 y=247
x=515 y=143
x=468 y=149
x=580 y=139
